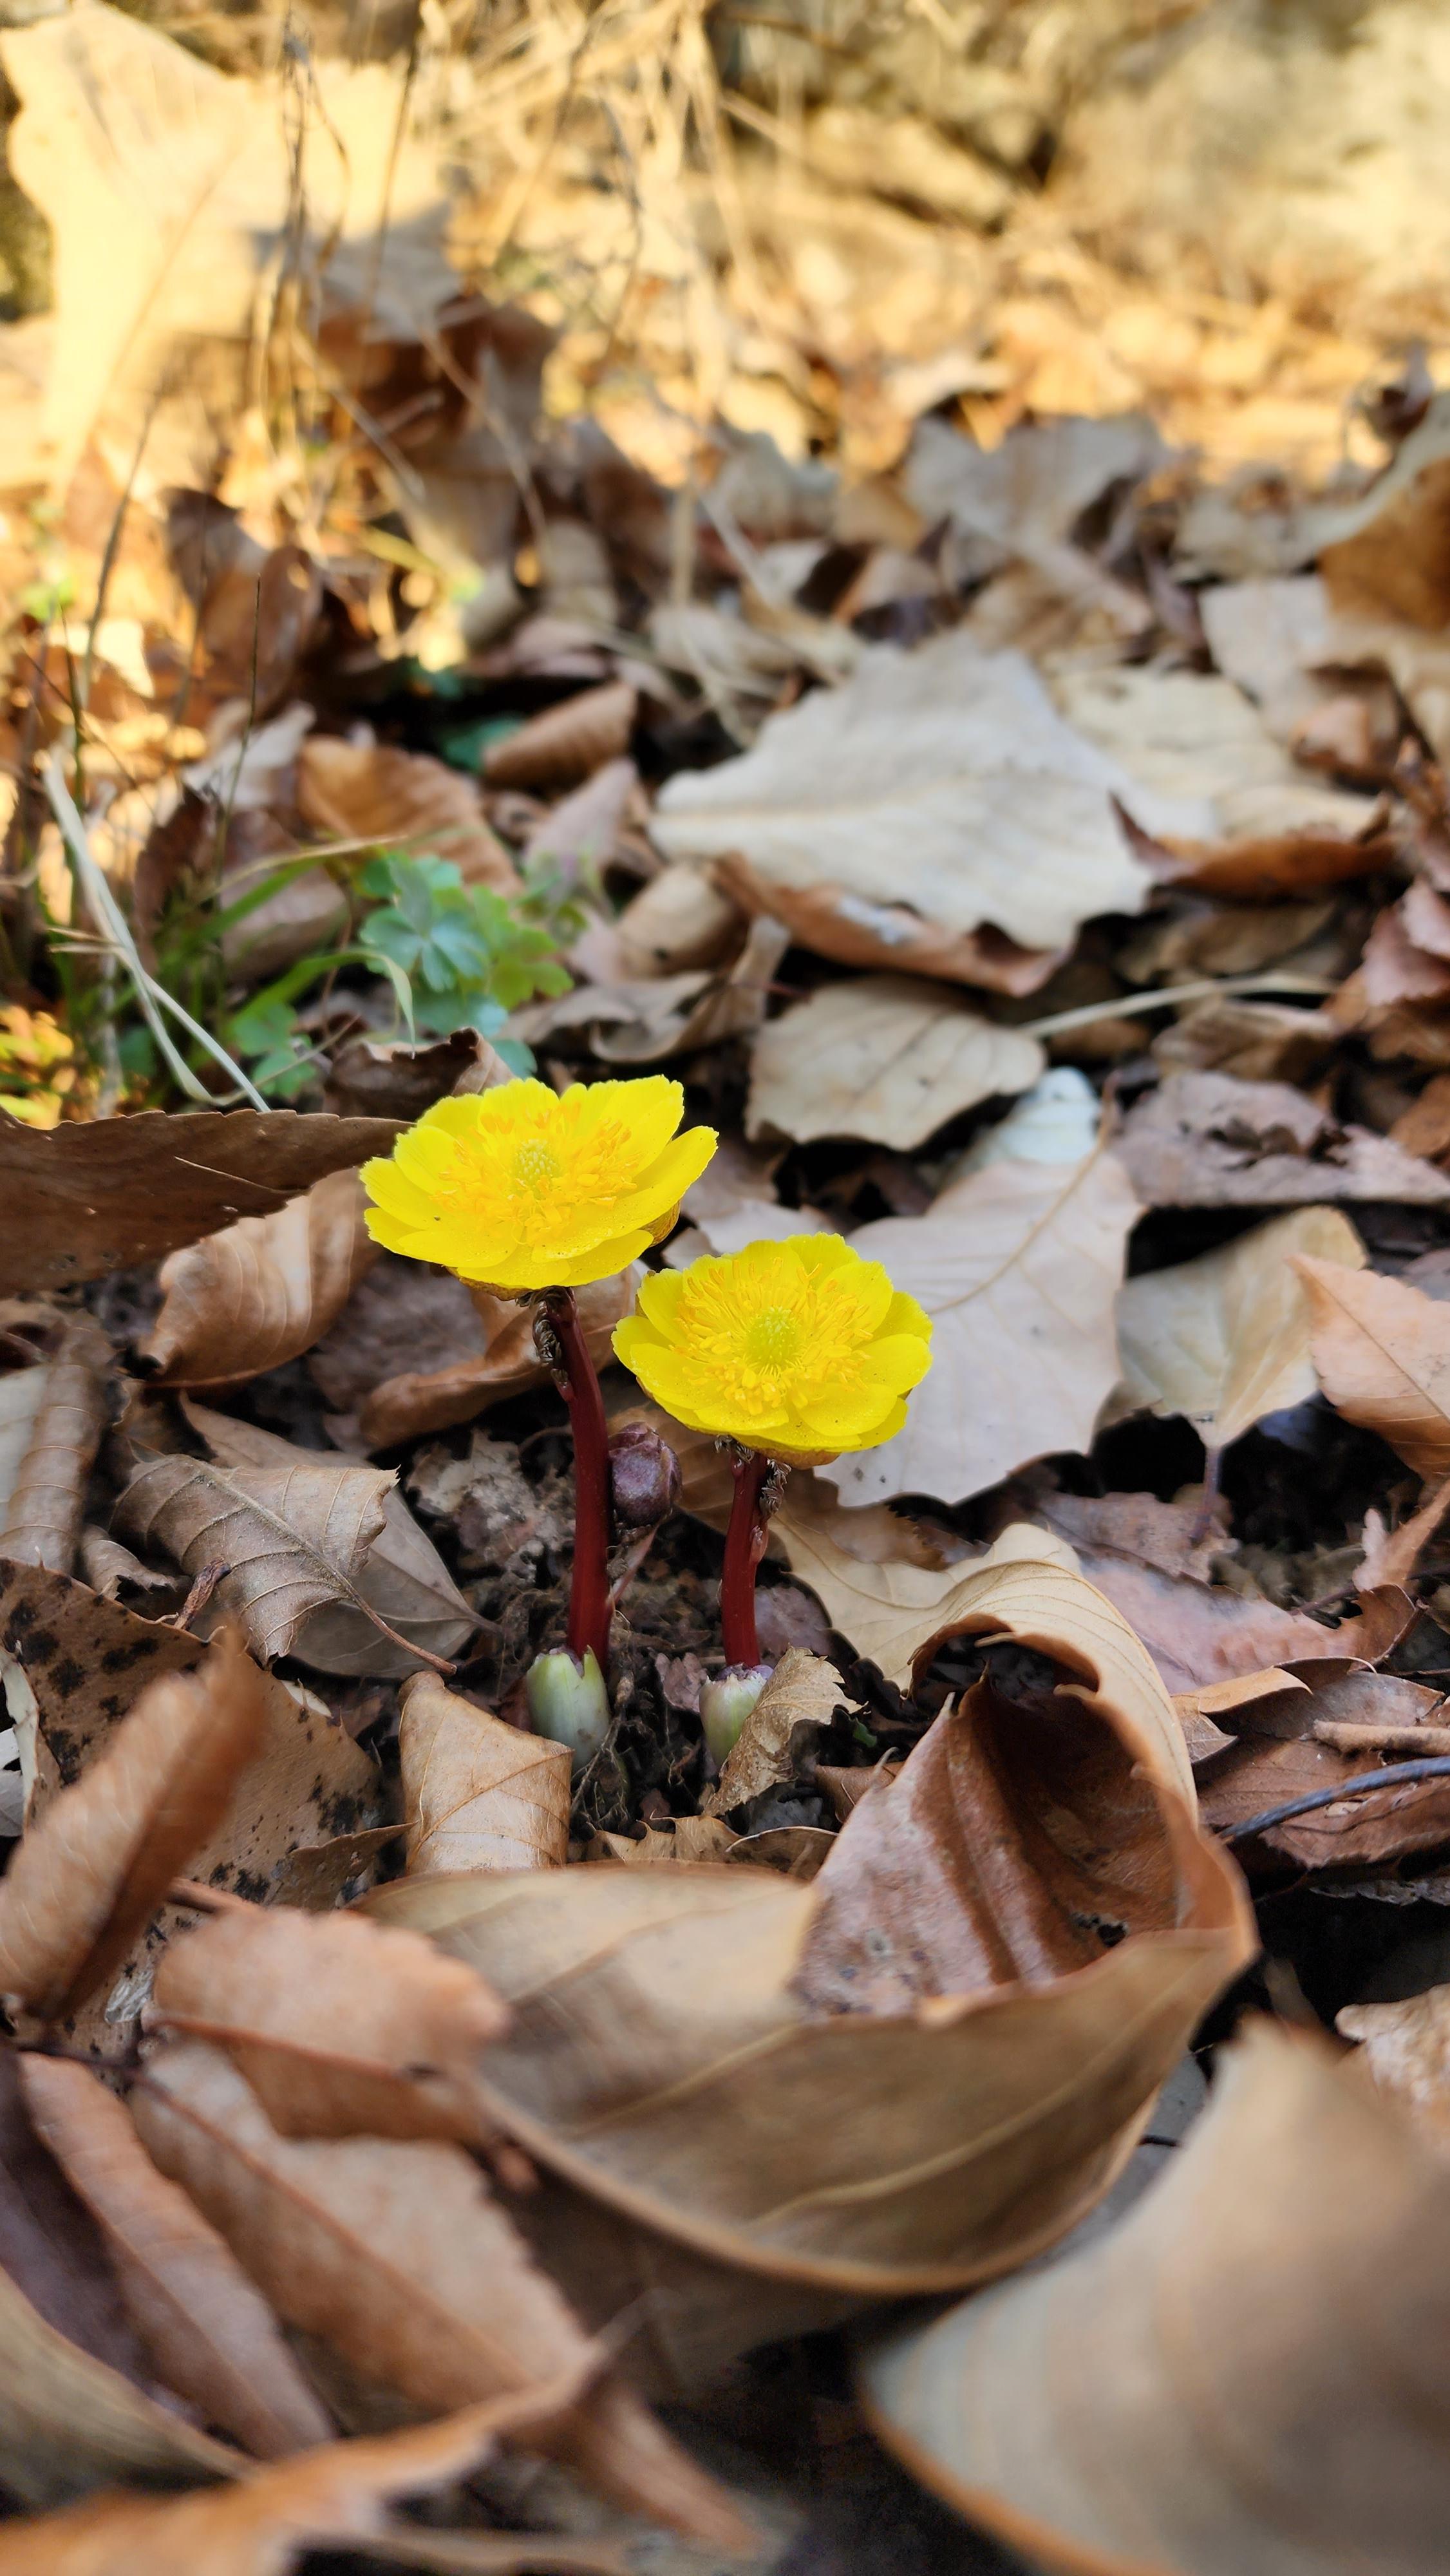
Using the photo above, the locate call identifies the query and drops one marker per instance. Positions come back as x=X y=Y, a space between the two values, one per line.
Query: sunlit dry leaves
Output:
x=1018 y=1266
x=1204 y=1140
x=374 y=794
x=339 y=2025
x=909 y=785
x=209 y=2335
x=1025 y=496
x=255 y=607
x=882 y=1058
x=565 y=743
x=106 y=1196
x=78 y=2400
x=801 y=1695
x=328 y=2499
x=478 y=1795
x=645 y=1021
x=414 y=1401
x=394 y=2253
x=319 y=1552
x=262 y=1291
x=1382 y=1350
x=860 y=931
x=51 y=1420
x=1224 y=1339
x=1233 y=2378
x=92 y=1870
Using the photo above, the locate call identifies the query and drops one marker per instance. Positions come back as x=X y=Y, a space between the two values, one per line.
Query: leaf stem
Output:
x=589 y=1603
x=744 y=1548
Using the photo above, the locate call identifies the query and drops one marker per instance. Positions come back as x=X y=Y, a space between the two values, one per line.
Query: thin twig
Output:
x=1210 y=988
x=1394 y=1775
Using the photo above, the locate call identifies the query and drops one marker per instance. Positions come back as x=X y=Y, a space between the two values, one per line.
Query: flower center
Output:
x=535 y=1163
x=774 y=1340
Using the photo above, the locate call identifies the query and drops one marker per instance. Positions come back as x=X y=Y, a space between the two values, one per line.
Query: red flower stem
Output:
x=744 y=1548
x=589 y=1606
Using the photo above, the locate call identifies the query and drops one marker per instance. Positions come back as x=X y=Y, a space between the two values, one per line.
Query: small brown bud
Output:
x=644 y=1476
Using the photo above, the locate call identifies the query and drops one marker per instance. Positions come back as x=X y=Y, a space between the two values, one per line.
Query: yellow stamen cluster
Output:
x=801 y=1348
x=523 y=1188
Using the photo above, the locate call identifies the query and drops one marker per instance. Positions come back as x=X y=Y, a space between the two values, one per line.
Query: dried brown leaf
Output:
x=394 y=2253
x=838 y=923
x=210 y=2336
x=340 y=2026
x=433 y=1400
x=262 y=1291
x=882 y=1058
x=478 y=1795
x=1236 y=2377
x=1204 y=1140
x=1382 y=1350
x=43 y=1495
x=801 y=1695
x=668 y=1015
x=692 y=1839
x=565 y=743
x=92 y=1870
x=385 y=1078
x=377 y=795
x=113 y=1194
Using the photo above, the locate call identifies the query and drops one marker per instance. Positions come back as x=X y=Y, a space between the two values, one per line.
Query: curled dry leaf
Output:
x=209 y=2334
x=1340 y=1726
x=112 y=1194
x=415 y=1401
x=801 y=1695
x=1382 y=1350
x=334 y=2496
x=385 y=1078
x=478 y=1795
x=340 y=2026
x=883 y=1058
x=262 y=1291
x=1018 y=1266
x=78 y=2398
x=394 y=2253
x=838 y=923
x=910 y=784
x=882 y=1604
x=371 y=793
x=1225 y=1339
x=92 y=1870
x=1234 y=2377
x=565 y=743
x=51 y=1420
x=644 y=1022
x=1205 y=1140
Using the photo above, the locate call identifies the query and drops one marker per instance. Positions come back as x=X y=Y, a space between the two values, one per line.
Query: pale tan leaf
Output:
x=114 y=1193
x=882 y=1058
x=836 y=922
x=1018 y=1266
x=91 y=1872
x=266 y=2525
x=1028 y=492
x=692 y=1840
x=210 y=2336
x=261 y=1292
x=107 y=1565
x=50 y=1431
x=882 y=1605
x=1405 y=2047
x=339 y=2025
x=1382 y=1350
x=1205 y=1140
x=1224 y=1339
x=942 y=779
x=565 y=743
x=645 y=1021
x=402 y=1578
x=376 y=794
x=678 y=920
x=478 y=1795
x=395 y=2254
x=801 y=1695
x=415 y=1401
x=1391 y=1556
x=1232 y=2379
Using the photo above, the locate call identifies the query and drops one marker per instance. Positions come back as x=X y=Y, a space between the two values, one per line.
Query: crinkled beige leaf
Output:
x=942 y=779
x=800 y=1696
x=1382 y=1350
x=1224 y=1339
x=209 y=2334
x=373 y=793
x=340 y=2026
x=332 y=2496
x=114 y=1193
x=1018 y=1266
x=51 y=1420
x=402 y=1579
x=262 y=1291
x=882 y=1058
x=1205 y=1140
x=478 y=1795
x=1244 y=2375
x=395 y=2253
x=91 y=1871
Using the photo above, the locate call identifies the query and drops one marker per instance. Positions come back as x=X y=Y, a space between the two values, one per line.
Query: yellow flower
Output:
x=800 y=1348
x=521 y=1189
